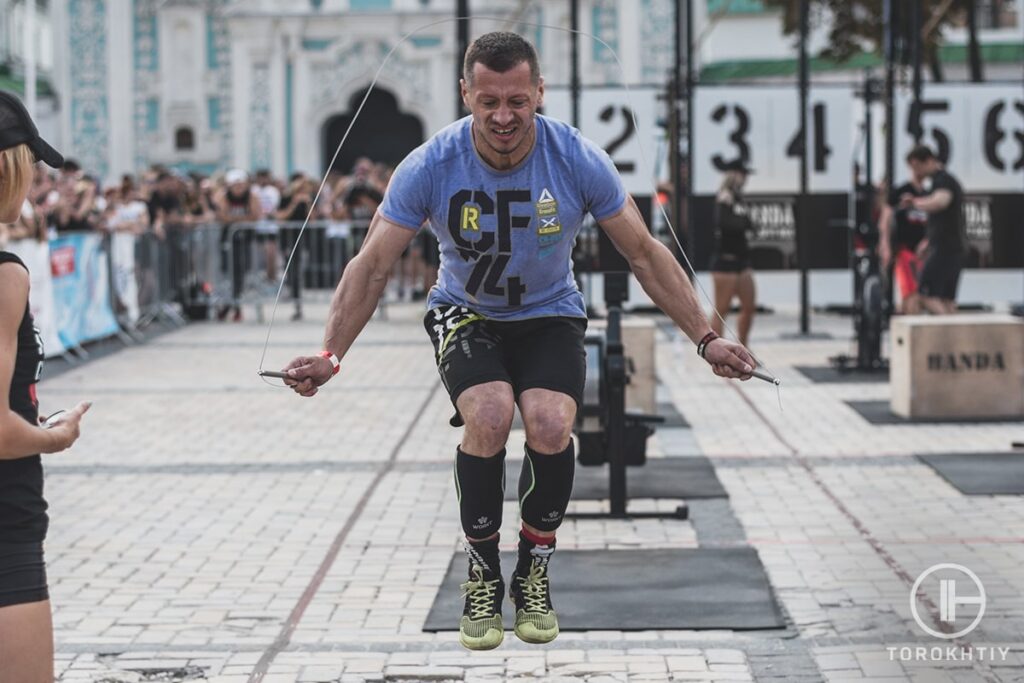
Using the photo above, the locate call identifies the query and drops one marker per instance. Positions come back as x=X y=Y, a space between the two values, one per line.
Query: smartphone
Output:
x=53 y=419
x=278 y=375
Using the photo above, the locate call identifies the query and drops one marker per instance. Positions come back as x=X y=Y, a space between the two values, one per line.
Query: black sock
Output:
x=484 y=553
x=530 y=549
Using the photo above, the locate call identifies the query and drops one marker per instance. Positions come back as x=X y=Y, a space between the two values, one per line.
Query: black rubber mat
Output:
x=673 y=418
x=980 y=474
x=879 y=413
x=638 y=590
x=672 y=478
x=826 y=374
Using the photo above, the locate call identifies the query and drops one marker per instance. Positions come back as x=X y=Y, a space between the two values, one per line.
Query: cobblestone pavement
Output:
x=208 y=527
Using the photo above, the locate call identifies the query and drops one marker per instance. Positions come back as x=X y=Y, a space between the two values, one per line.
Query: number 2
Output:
x=630 y=128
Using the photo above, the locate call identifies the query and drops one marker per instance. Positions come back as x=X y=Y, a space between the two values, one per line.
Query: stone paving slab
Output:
x=199 y=516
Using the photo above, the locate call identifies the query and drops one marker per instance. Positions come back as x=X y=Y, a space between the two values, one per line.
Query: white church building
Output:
x=210 y=84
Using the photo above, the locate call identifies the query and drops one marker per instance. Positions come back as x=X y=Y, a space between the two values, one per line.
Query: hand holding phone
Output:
x=53 y=419
x=65 y=426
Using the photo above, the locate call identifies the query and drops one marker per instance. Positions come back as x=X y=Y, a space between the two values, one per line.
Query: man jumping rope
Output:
x=505 y=191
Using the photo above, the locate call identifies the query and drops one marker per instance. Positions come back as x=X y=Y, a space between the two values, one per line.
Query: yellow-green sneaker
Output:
x=536 y=621
x=481 y=627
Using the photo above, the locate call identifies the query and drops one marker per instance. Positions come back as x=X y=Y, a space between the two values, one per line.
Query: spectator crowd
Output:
x=162 y=199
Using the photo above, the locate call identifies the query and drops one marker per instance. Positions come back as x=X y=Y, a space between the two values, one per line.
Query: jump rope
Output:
x=761 y=371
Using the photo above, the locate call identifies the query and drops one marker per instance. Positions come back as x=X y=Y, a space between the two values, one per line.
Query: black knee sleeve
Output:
x=480 y=485
x=545 y=486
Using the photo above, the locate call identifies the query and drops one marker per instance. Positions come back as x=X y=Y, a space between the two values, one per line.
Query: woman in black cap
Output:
x=26 y=629
x=730 y=263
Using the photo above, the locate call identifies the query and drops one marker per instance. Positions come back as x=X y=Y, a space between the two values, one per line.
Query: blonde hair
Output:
x=16 y=170
x=732 y=181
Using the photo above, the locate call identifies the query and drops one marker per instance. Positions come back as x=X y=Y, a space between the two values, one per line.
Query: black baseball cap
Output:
x=17 y=127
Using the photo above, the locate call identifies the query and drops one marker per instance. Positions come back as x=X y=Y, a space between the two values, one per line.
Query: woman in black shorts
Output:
x=730 y=264
x=26 y=629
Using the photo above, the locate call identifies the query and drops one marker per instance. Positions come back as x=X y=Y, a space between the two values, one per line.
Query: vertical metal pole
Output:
x=574 y=60
x=869 y=156
x=30 y=57
x=889 y=40
x=615 y=429
x=890 y=87
x=674 y=95
x=973 y=49
x=802 y=213
x=691 y=230
x=462 y=42
x=915 y=56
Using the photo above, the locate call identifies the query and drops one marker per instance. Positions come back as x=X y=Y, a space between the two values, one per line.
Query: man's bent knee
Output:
x=487 y=410
x=549 y=424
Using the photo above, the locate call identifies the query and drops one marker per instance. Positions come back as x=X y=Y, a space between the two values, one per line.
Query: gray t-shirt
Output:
x=506 y=237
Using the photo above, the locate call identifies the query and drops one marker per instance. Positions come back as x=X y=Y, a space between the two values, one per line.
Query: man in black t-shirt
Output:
x=942 y=249
x=901 y=230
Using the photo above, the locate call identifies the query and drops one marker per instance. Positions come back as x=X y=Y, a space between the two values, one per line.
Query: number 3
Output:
x=738 y=136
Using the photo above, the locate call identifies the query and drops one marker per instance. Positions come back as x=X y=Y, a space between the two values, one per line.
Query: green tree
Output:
x=856 y=26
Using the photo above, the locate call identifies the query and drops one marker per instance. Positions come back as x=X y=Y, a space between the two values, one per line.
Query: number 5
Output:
x=916 y=128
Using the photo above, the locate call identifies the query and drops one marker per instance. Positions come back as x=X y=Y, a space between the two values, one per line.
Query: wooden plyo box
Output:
x=638 y=342
x=954 y=366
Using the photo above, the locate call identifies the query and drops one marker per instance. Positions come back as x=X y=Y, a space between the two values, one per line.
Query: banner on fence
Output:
x=36 y=256
x=81 y=289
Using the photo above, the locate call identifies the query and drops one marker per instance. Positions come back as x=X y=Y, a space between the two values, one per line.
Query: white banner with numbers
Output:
x=606 y=117
x=977 y=129
x=760 y=125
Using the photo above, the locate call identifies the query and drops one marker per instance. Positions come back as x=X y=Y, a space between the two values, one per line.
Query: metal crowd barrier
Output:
x=254 y=255
x=196 y=272
x=99 y=285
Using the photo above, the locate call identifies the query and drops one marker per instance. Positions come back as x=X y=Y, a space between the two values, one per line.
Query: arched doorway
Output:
x=382 y=133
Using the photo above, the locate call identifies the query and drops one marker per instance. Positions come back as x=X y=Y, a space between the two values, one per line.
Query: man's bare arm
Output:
x=669 y=288
x=363 y=283
x=936 y=201
x=657 y=270
x=354 y=300
x=884 y=227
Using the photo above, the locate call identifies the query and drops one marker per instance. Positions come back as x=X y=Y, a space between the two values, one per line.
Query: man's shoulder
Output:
x=943 y=178
x=446 y=144
x=560 y=137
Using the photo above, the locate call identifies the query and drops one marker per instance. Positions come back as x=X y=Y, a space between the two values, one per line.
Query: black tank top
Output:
x=23 y=516
x=238 y=207
x=731 y=227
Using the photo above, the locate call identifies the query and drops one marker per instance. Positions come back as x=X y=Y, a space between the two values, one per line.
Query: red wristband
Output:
x=702 y=345
x=335 y=363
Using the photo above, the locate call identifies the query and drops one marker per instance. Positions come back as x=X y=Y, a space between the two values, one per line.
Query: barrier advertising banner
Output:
x=81 y=289
x=36 y=256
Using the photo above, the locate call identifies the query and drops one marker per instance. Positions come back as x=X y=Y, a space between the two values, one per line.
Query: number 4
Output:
x=821 y=149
